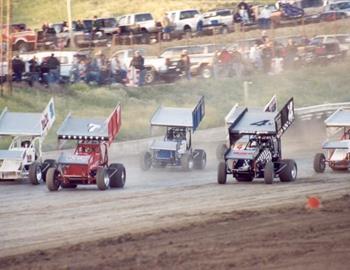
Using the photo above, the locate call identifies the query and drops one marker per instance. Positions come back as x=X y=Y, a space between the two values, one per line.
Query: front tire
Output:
x=117 y=175
x=269 y=172
x=52 y=181
x=145 y=160
x=35 y=174
x=47 y=164
x=102 y=179
x=289 y=174
x=222 y=175
x=319 y=163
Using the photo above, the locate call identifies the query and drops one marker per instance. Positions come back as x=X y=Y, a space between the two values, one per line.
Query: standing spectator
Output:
x=166 y=25
x=291 y=53
x=264 y=20
x=79 y=26
x=267 y=55
x=54 y=69
x=34 y=71
x=225 y=62
x=137 y=63
x=255 y=55
x=18 y=67
x=118 y=71
x=243 y=13
x=237 y=62
x=92 y=72
x=185 y=64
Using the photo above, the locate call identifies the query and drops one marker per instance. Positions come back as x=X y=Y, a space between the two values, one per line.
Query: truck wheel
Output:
x=269 y=172
x=220 y=151
x=47 y=164
x=102 y=178
x=187 y=32
x=206 y=72
x=145 y=160
x=319 y=163
x=22 y=47
x=199 y=159
x=186 y=162
x=289 y=174
x=69 y=185
x=222 y=175
x=244 y=178
x=52 y=181
x=150 y=76
x=117 y=175
x=35 y=174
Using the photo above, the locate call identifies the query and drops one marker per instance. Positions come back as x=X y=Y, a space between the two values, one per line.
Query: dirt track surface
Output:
x=31 y=218
x=283 y=238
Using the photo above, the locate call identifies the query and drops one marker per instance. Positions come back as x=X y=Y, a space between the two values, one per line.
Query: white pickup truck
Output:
x=223 y=17
x=156 y=67
x=143 y=20
x=185 y=21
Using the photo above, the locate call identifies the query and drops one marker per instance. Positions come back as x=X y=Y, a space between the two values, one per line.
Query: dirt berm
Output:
x=280 y=238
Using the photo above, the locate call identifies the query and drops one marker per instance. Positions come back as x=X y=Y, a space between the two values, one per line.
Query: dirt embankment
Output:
x=281 y=238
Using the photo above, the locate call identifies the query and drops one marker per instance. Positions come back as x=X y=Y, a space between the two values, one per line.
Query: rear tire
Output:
x=117 y=180
x=52 y=182
x=269 y=172
x=35 y=174
x=102 y=179
x=186 y=162
x=145 y=160
x=319 y=163
x=222 y=175
x=289 y=174
x=47 y=164
x=199 y=159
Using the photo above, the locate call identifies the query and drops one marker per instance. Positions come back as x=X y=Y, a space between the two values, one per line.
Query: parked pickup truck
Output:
x=144 y=21
x=186 y=21
x=222 y=18
x=23 y=39
x=157 y=68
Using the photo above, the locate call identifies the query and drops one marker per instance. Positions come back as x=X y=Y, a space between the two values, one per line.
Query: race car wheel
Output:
x=102 y=179
x=145 y=160
x=47 y=164
x=35 y=175
x=199 y=159
x=69 y=185
x=319 y=163
x=244 y=178
x=186 y=162
x=269 y=172
x=290 y=172
x=220 y=151
x=117 y=175
x=52 y=181
x=222 y=175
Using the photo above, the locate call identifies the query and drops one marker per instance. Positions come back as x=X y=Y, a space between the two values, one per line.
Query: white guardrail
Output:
x=319 y=111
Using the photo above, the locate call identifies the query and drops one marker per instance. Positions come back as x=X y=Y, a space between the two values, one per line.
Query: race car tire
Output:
x=222 y=175
x=35 y=174
x=186 y=162
x=220 y=151
x=117 y=175
x=269 y=172
x=102 y=179
x=145 y=160
x=199 y=159
x=52 y=182
x=47 y=164
x=69 y=185
x=319 y=163
x=290 y=172
x=244 y=178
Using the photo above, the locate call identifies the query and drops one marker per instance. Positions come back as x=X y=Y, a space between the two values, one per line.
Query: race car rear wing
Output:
x=285 y=118
x=27 y=124
x=91 y=129
x=179 y=117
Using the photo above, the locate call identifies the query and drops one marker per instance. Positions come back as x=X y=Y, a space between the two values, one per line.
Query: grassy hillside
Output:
x=35 y=12
x=309 y=86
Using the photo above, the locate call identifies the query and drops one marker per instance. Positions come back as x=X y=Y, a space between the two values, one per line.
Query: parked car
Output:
x=343 y=6
x=219 y=17
x=144 y=21
x=186 y=21
x=22 y=38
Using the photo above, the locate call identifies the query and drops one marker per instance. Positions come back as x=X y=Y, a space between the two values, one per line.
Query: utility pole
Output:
x=9 y=46
x=70 y=26
x=1 y=46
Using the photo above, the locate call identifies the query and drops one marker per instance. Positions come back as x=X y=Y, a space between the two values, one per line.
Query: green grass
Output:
x=309 y=86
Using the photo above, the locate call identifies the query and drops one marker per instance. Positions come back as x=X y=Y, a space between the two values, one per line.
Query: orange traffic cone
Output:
x=313 y=202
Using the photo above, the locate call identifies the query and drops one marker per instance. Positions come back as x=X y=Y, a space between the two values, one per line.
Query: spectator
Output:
x=137 y=63
x=225 y=62
x=92 y=72
x=243 y=13
x=267 y=55
x=255 y=55
x=54 y=69
x=18 y=67
x=264 y=20
x=166 y=25
x=291 y=53
x=243 y=5
x=237 y=62
x=79 y=26
x=185 y=64
x=118 y=71
x=34 y=71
